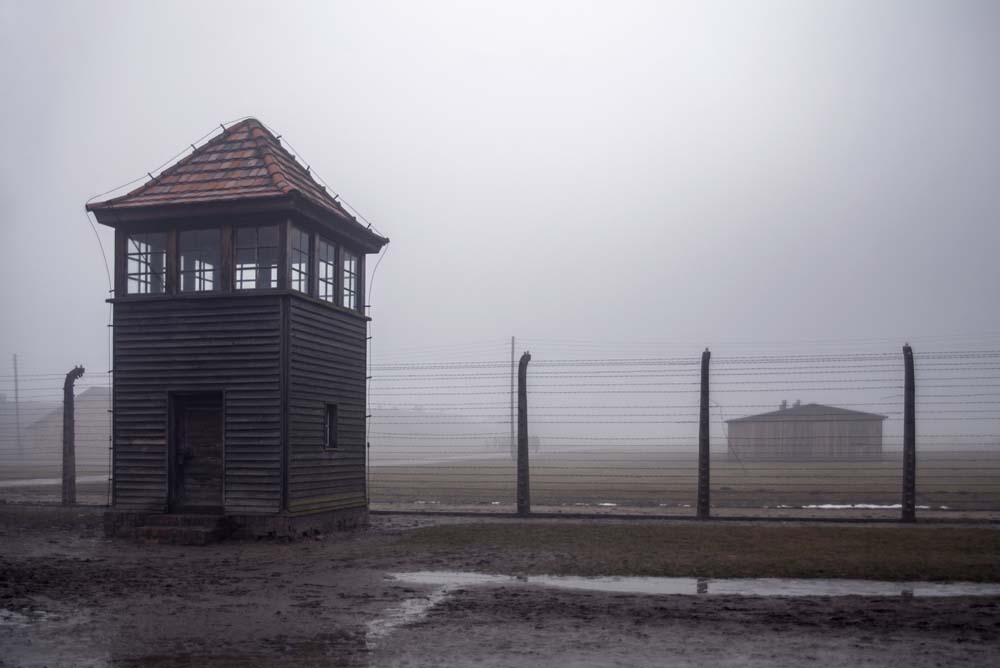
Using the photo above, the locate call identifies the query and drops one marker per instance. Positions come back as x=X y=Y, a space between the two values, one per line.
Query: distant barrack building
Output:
x=806 y=432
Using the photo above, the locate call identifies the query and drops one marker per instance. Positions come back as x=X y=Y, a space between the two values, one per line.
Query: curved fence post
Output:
x=69 y=439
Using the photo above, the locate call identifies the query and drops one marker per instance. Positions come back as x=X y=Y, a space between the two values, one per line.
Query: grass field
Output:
x=715 y=551
x=960 y=481
x=644 y=481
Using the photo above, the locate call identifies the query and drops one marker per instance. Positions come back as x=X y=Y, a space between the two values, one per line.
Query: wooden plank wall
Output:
x=327 y=364
x=232 y=344
x=806 y=440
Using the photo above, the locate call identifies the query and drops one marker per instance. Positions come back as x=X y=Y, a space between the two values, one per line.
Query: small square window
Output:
x=330 y=427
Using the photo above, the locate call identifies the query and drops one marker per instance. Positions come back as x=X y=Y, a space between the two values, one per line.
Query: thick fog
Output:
x=585 y=176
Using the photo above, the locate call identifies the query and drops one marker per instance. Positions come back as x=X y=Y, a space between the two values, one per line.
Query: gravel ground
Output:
x=69 y=597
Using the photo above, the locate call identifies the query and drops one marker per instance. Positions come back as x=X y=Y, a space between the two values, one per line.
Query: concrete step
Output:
x=183 y=535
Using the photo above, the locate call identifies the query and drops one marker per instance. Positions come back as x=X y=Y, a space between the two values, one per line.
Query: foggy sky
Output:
x=679 y=175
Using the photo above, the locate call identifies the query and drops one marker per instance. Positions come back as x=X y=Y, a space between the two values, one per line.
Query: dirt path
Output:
x=71 y=598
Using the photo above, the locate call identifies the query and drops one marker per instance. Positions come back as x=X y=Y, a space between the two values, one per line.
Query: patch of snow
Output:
x=446 y=581
x=858 y=506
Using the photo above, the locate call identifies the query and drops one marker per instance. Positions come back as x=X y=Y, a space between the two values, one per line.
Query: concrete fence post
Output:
x=523 y=485
x=704 y=460
x=909 y=505
x=69 y=439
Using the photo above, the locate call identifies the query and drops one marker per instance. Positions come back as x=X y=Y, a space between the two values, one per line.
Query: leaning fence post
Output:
x=909 y=439
x=69 y=439
x=523 y=487
x=703 y=442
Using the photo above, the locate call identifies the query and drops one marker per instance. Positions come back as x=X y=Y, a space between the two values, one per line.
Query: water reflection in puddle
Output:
x=707 y=586
x=447 y=582
x=407 y=612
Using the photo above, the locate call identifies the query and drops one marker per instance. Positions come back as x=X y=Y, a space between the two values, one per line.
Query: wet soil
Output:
x=69 y=597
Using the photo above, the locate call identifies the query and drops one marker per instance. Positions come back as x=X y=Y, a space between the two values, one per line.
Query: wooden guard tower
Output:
x=239 y=344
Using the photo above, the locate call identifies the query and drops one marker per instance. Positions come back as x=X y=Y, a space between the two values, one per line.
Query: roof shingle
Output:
x=245 y=162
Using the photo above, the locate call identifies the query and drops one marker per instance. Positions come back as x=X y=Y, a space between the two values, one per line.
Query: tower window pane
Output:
x=256 y=257
x=300 y=259
x=350 y=280
x=145 y=262
x=199 y=260
x=327 y=267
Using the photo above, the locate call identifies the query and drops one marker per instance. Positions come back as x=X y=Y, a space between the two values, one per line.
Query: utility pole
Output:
x=17 y=413
x=513 y=415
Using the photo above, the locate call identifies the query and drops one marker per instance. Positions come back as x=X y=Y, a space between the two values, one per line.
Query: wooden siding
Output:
x=213 y=343
x=805 y=440
x=327 y=365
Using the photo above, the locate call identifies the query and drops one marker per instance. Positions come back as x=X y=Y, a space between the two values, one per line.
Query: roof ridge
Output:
x=196 y=150
x=284 y=154
x=797 y=411
x=277 y=159
x=263 y=139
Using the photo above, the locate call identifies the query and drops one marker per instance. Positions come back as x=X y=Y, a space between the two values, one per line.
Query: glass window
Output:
x=300 y=259
x=350 y=280
x=256 y=257
x=145 y=262
x=200 y=253
x=330 y=427
x=327 y=265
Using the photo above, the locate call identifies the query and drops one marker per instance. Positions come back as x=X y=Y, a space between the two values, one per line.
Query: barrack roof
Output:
x=810 y=412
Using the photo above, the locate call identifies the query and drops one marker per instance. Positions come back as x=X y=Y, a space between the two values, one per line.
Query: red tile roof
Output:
x=245 y=162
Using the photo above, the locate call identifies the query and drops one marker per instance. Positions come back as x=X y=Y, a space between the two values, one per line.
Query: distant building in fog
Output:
x=806 y=432
x=93 y=431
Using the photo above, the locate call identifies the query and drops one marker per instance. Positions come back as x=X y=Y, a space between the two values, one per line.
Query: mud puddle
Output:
x=14 y=619
x=409 y=611
x=767 y=587
x=447 y=583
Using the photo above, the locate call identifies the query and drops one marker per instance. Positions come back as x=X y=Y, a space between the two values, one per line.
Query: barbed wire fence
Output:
x=799 y=435
x=31 y=435
x=829 y=438
x=440 y=434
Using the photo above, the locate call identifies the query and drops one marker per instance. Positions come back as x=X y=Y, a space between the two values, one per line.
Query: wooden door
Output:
x=197 y=455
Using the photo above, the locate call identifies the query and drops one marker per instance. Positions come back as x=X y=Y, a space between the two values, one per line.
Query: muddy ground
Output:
x=69 y=597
